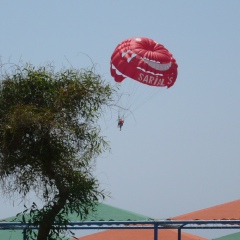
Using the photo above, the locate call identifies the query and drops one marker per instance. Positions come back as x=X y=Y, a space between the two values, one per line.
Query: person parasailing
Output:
x=145 y=63
x=120 y=123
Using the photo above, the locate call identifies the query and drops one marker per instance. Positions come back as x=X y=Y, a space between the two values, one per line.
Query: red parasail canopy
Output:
x=145 y=61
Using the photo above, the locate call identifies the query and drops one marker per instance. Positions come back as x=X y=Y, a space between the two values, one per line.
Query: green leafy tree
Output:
x=49 y=141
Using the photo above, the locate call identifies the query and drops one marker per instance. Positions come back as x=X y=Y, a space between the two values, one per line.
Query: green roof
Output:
x=109 y=213
x=11 y=235
x=14 y=235
x=103 y=212
x=234 y=236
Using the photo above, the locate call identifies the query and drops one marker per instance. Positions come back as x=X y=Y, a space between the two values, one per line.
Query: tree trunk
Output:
x=48 y=220
x=63 y=194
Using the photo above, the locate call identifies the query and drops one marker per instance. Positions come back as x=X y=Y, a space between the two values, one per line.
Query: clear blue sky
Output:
x=180 y=152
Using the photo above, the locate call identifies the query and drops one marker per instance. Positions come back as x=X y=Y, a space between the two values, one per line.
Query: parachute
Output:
x=144 y=62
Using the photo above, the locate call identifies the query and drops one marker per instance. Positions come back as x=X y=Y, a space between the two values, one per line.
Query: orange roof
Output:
x=226 y=211
x=138 y=234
